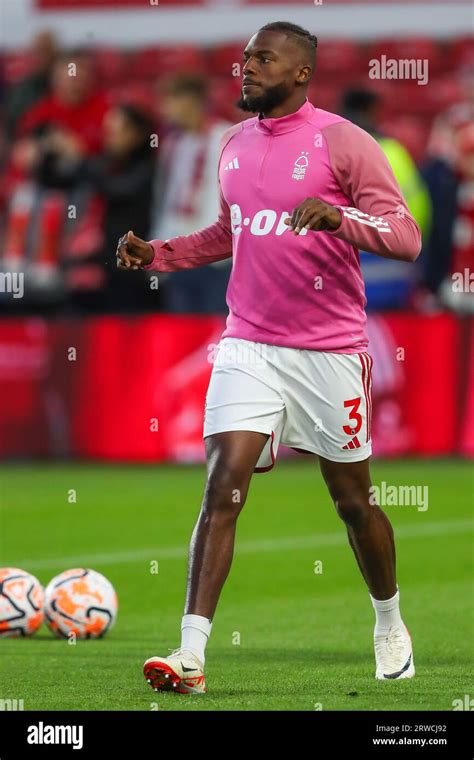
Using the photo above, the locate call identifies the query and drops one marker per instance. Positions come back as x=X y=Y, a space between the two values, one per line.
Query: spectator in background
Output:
x=389 y=283
x=186 y=191
x=449 y=260
x=75 y=108
x=108 y=191
x=62 y=127
x=449 y=173
x=124 y=177
x=36 y=84
x=441 y=143
x=69 y=120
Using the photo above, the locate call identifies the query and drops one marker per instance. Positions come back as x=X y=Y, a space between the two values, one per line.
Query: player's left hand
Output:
x=314 y=214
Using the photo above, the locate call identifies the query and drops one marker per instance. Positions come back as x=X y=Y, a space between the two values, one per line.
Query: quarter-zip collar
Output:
x=278 y=126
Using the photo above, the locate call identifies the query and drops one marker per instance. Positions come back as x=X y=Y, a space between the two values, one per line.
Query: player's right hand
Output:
x=133 y=252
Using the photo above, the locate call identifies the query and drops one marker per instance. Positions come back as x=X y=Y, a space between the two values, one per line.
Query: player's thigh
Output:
x=231 y=457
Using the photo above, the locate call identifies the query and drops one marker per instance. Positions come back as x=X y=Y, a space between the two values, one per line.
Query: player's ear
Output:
x=304 y=75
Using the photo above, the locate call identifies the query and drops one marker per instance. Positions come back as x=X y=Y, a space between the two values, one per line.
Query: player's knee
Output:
x=226 y=491
x=353 y=510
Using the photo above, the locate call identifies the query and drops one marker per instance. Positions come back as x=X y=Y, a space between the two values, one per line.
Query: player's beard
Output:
x=269 y=99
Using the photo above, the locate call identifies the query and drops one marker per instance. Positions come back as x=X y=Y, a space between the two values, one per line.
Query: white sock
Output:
x=387 y=612
x=195 y=631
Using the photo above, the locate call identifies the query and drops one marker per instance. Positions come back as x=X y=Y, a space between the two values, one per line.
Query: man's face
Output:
x=179 y=109
x=271 y=71
x=73 y=83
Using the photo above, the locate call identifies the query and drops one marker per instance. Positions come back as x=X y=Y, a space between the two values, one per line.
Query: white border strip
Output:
x=210 y=25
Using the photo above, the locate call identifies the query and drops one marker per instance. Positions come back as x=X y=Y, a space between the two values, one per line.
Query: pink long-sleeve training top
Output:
x=303 y=291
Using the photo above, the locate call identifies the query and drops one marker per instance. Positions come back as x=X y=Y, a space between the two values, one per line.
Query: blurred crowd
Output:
x=80 y=168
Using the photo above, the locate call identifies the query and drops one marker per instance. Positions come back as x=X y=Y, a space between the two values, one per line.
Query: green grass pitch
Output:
x=284 y=636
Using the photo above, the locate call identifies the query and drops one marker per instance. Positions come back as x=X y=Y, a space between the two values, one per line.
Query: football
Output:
x=21 y=603
x=81 y=602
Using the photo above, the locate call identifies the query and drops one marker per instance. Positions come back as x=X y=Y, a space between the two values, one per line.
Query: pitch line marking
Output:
x=291 y=543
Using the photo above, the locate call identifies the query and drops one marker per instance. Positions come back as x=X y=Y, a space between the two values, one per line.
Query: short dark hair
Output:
x=304 y=39
x=359 y=99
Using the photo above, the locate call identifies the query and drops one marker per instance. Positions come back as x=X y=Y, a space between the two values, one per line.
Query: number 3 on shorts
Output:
x=353 y=415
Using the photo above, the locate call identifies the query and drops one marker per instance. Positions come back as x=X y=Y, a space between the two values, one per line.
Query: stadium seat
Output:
x=461 y=52
x=150 y=63
x=222 y=58
x=445 y=92
x=338 y=55
x=409 y=48
x=112 y=65
x=418 y=100
x=15 y=66
x=324 y=95
x=136 y=93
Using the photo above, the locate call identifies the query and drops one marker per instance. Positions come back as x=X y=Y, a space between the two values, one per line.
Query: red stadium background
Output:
x=115 y=388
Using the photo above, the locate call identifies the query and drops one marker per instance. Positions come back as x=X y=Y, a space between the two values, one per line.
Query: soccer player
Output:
x=301 y=190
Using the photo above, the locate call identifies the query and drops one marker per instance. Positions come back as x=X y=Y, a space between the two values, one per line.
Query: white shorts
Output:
x=311 y=401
